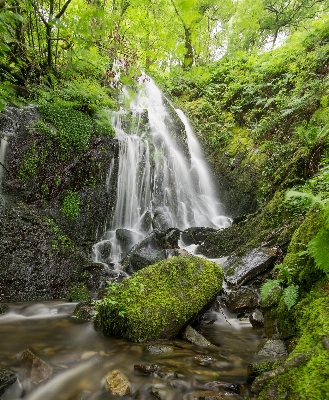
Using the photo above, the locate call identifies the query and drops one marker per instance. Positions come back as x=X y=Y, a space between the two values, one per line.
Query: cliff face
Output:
x=54 y=205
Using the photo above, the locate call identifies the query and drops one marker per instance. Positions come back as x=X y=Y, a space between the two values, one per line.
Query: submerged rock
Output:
x=7 y=378
x=195 y=337
x=158 y=301
x=3 y=308
x=208 y=395
x=36 y=369
x=240 y=270
x=117 y=383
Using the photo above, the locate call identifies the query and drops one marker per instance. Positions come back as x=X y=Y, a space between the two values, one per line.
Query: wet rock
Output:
x=145 y=369
x=179 y=286
x=196 y=235
x=143 y=257
x=241 y=300
x=257 y=319
x=270 y=323
x=161 y=392
x=274 y=348
x=127 y=239
x=194 y=337
x=117 y=383
x=208 y=395
x=94 y=275
x=104 y=249
x=87 y=355
x=3 y=308
x=159 y=349
x=151 y=249
x=204 y=360
x=240 y=270
x=36 y=369
x=84 y=311
x=221 y=387
x=7 y=378
x=35 y=261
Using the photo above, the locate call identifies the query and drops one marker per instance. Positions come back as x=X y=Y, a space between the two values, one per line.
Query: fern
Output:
x=290 y=295
x=319 y=250
x=267 y=288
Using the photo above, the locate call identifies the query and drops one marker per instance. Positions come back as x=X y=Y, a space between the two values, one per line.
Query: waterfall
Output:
x=162 y=177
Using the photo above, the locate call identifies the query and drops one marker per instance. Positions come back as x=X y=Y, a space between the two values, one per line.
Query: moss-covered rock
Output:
x=158 y=301
x=309 y=378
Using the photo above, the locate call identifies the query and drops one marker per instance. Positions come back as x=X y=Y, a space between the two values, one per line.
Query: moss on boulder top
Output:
x=159 y=300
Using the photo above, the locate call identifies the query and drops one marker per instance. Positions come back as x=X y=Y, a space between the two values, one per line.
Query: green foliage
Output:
x=102 y=123
x=73 y=128
x=268 y=286
x=159 y=299
x=71 y=204
x=62 y=239
x=29 y=164
x=79 y=292
x=290 y=296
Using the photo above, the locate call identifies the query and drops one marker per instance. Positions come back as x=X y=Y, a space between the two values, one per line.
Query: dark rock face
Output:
x=156 y=246
x=7 y=378
x=240 y=270
x=51 y=174
x=35 y=263
x=43 y=250
x=244 y=299
x=196 y=235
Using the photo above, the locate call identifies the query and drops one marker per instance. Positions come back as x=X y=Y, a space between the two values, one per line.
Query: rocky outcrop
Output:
x=7 y=378
x=156 y=246
x=54 y=204
x=158 y=301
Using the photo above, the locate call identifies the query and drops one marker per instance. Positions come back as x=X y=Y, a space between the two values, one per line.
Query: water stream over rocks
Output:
x=80 y=358
x=162 y=186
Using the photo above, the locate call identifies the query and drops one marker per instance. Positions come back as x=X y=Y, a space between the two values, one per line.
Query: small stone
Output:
x=145 y=369
x=156 y=350
x=117 y=383
x=161 y=392
x=257 y=319
x=194 y=337
x=204 y=360
x=37 y=370
x=272 y=348
x=208 y=395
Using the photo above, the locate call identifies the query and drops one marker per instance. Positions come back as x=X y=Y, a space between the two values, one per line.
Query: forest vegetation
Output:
x=252 y=76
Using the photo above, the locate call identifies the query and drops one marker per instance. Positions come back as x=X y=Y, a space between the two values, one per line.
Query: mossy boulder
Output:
x=159 y=300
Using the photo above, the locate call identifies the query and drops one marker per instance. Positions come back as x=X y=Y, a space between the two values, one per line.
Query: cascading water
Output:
x=161 y=183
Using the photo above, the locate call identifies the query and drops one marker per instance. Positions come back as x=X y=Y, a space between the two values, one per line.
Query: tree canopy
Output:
x=43 y=40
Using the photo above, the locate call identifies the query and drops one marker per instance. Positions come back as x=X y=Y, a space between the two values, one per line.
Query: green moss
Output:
x=73 y=127
x=62 y=240
x=71 y=204
x=157 y=301
x=29 y=164
x=309 y=381
x=79 y=292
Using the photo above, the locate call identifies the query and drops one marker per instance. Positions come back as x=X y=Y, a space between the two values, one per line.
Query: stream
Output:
x=81 y=358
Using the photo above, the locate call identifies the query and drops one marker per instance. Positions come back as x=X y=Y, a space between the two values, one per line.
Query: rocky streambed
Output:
x=46 y=352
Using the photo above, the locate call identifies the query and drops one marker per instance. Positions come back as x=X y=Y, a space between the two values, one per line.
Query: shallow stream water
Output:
x=81 y=357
